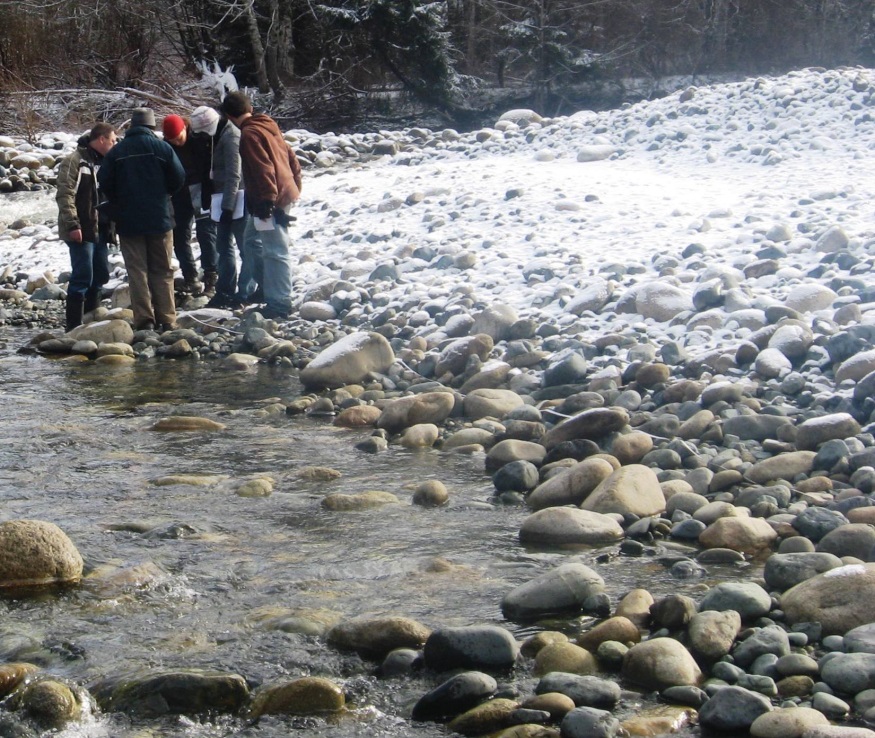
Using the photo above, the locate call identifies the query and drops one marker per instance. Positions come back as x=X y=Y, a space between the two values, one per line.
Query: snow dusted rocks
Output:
x=349 y=360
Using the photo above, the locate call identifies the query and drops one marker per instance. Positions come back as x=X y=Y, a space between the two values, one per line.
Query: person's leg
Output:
x=183 y=214
x=226 y=285
x=80 y=279
x=206 y=232
x=252 y=265
x=134 y=253
x=277 y=270
x=99 y=275
x=160 y=271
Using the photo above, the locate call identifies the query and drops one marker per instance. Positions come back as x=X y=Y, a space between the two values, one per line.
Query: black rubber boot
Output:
x=75 y=303
x=92 y=300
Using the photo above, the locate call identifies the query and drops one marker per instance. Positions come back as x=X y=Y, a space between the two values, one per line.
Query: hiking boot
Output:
x=92 y=299
x=210 y=280
x=145 y=325
x=274 y=314
x=168 y=327
x=193 y=287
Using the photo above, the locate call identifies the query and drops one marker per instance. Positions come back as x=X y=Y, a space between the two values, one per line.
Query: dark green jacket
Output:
x=138 y=176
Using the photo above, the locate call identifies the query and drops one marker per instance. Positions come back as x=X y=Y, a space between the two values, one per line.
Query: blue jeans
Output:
x=266 y=253
x=227 y=255
x=90 y=268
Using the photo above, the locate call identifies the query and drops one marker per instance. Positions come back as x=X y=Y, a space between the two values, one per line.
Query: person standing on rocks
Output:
x=138 y=177
x=192 y=203
x=228 y=211
x=272 y=181
x=82 y=225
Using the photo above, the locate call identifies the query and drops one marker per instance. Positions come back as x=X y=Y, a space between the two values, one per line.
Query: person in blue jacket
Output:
x=138 y=176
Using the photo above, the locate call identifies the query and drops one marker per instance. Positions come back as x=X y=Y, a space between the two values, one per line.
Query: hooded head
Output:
x=204 y=120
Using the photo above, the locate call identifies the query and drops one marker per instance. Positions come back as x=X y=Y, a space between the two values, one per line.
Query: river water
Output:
x=195 y=575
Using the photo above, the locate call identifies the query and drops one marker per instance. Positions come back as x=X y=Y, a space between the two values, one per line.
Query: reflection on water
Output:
x=193 y=575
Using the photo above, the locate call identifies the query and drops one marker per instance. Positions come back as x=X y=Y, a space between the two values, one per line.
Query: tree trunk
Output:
x=257 y=47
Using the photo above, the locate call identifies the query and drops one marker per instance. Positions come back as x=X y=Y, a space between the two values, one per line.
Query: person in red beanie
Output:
x=192 y=203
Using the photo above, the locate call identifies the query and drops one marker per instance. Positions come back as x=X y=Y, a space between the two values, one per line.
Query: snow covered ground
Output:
x=533 y=215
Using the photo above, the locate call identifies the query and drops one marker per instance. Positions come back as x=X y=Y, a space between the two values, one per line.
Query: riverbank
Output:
x=687 y=284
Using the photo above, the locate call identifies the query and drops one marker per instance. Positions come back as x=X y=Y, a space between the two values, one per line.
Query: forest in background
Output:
x=342 y=64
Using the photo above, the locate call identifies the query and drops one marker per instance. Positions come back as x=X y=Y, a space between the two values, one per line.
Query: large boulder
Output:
x=630 y=489
x=375 y=637
x=571 y=486
x=36 y=553
x=104 y=331
x=839 y=599
x=570 y=526
x=562 y=590
x=348 y=361
x=593 y=424
x=660 y=663
x=427 y=407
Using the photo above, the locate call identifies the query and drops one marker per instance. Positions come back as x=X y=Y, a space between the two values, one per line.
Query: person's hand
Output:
x=263 y=209
x=227 y=216
x=75 y=235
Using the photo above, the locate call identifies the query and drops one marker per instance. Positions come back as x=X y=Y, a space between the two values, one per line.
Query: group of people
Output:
x=229 y=173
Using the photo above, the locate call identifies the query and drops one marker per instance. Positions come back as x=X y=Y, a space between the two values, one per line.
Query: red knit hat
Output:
x=173 y=125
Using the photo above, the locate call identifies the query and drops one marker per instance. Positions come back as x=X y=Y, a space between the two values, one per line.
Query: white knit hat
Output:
x=204 y=120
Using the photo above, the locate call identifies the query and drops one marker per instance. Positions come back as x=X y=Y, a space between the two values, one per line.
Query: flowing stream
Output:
x=195 y=575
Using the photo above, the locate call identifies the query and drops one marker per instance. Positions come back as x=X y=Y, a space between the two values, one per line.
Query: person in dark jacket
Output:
x=272 y=184
x=80 y=223
x=138 y=176
x=192 y=203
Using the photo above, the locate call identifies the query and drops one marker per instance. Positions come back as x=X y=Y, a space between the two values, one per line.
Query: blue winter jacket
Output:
x=138 y=176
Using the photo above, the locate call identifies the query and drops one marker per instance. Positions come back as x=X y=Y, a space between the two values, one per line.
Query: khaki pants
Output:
x=150 y=277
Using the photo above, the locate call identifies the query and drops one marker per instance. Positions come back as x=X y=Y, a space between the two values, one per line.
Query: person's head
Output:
x=175 y=131
x=236 y=106
x=204 y=120
x=143 y=117
x=102 y=138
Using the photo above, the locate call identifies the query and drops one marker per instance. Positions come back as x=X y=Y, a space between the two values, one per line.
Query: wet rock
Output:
x=305 y=696
x=586 y=691
x=588 y=722
x=660 y=663
x=187 y=424
x=770 y=640
x=486 y=718
x=12 y=675
x=50 y=703
x=431 y=493
x=565 y=657
x=375 y=637
x=339 y=502
x=348 y=361
x=185 y=692
x=455 y=696
x=35 y=553
x=566 y=525
x=474 y=647
x=618 y=628
x=428 y=407
x=516 y=476
x=505 y=452
x=360 y=416
x=422 y=435
x=562 y=590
